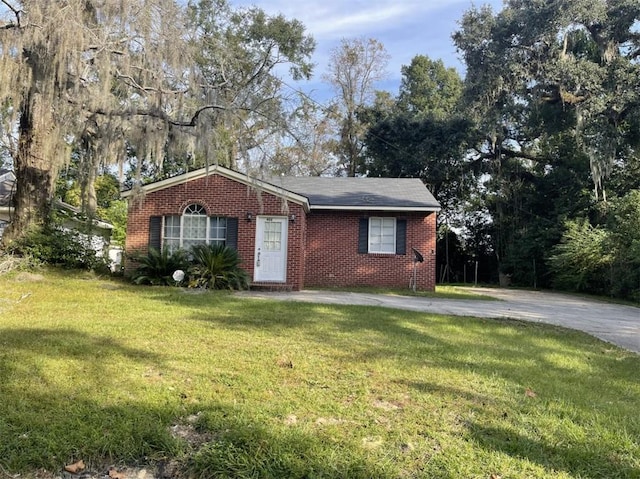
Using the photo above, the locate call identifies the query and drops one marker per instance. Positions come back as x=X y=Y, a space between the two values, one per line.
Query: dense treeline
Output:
x=534 y=156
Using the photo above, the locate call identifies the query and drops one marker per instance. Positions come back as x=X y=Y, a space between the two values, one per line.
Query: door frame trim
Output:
x=285 y=241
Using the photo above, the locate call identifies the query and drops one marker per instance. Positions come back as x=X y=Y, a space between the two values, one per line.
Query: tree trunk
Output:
x=35 y=172
x=89 y=196
x=351 y=145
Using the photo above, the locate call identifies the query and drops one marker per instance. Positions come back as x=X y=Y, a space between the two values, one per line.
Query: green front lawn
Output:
x=226 y=387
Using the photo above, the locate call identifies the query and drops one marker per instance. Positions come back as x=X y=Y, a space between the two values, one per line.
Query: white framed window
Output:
x=382 y=235
x=193 y=227
x=172 y=236
x=217 y=230
x=272 y=235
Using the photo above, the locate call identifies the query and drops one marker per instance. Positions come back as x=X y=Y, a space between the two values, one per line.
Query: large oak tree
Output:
x=554 y=90
x=110 y=77
x=540 y=68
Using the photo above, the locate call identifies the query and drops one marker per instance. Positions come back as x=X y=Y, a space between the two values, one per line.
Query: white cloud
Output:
x=338 y=24
x=405 y=27
x=334 y=19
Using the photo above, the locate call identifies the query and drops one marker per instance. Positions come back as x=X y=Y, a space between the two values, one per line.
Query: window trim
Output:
x=192 y=210
x=393 y=243
x=401 y=236
x=210 y=221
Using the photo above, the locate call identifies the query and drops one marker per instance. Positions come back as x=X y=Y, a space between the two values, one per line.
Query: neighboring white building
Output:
x=100 y=231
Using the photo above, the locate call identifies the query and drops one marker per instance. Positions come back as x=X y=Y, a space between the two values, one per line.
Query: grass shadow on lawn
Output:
x=506 y=347
x=493 y=366
x=305 y=390
x=587 y=458
x=60 y=392
x=246 y=445
x=99 y=413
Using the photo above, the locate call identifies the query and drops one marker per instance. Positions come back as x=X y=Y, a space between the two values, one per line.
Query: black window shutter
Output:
x=363 y=236
x=155 y=232
x=401 y=236
x=232 y=233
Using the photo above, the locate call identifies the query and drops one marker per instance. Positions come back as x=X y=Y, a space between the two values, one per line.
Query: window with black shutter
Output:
x=155 y=232
x=382 y=235
x=191 y=228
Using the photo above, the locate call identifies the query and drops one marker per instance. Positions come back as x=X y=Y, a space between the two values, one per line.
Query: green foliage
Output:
x=577 y=58
x=603 y=259
x=624 y=240
x=552 y=88
x=581 y=262
x=529 y=205
x=206 y=266
x=157 y=266
x=429 y=88
x=116 y=214
x=216 y=266
x=110 y=207
x=57 y=246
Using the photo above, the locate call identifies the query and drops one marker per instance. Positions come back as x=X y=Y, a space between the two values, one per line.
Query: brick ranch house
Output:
x=294 y=232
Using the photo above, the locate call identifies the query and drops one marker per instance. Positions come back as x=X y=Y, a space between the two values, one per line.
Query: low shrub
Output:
x=157 y=267
x=57 y=246
x=216 y=266
x=204 y=266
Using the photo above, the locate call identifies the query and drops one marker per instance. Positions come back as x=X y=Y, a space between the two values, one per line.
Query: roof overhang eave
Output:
x=97 y=223
x=406 y=209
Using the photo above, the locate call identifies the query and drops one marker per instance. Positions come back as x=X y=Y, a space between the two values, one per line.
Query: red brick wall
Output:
x=332 y=257
x=221 y=196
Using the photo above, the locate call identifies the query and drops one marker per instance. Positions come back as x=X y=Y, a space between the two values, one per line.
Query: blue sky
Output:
x=406 y=28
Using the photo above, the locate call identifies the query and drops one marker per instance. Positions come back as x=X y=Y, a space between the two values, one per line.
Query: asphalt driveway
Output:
x=614 y=323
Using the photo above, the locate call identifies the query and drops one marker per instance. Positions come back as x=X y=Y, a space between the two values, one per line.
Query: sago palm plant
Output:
x=157 y=267
x=216 y=266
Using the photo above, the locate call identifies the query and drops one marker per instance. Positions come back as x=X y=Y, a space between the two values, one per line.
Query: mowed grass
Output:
x=226 y=387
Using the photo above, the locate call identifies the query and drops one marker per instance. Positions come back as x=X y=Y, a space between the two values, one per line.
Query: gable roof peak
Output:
x=222 y=171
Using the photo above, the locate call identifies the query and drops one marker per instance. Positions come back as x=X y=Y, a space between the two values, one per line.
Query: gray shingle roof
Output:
x=360 y=193
x=319 y=192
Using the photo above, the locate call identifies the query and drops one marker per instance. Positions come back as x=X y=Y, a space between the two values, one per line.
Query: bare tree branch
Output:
x=129 y=80
x=155 y=113
x=16 y=12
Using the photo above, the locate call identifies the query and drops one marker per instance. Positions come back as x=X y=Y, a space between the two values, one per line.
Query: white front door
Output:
x=271 y=249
